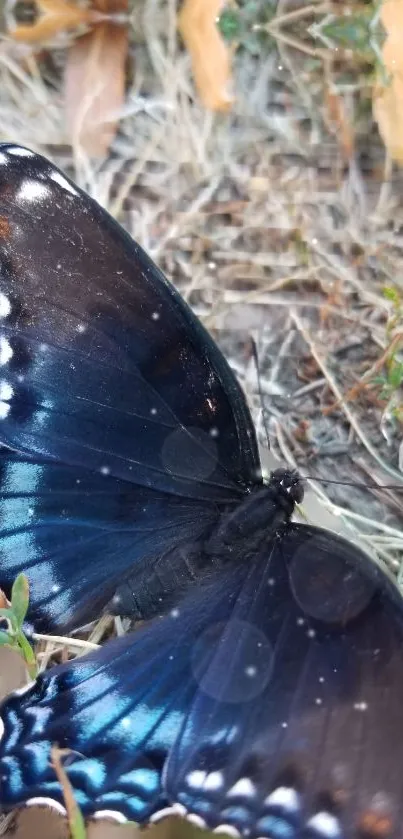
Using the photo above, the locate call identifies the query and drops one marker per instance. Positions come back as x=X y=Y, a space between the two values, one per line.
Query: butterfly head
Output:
x=290 y=481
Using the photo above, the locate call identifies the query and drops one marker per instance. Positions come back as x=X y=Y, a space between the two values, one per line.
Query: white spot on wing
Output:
x=227 y=828
x=58 y=178
x=41 y=801
x=5 y=305
x=193 y=818
x=3 y=159
x=32 y=191
x=6 y=351
x=19 y=151
x=6 y=391
x=114 y=815
x=179 y=809
x=214 y=781
x=285 y=797
x=1 y=728
x=326 y=824
x=243 y=787
x=24 y=689
x=162 y=814
x=196 y=778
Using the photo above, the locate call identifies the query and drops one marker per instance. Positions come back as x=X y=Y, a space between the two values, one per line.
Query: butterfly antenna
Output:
x=259 y=387
x=353 y=484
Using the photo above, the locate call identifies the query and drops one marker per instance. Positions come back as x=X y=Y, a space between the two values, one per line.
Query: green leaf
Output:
x=28 y=654
x=393 y=295
x=395 y=374
x=5 y=639
x=229 y=24
x=20 y=598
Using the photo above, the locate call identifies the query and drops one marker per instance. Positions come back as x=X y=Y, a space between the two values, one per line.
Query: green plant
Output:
x=14 y=616
x=391 y=378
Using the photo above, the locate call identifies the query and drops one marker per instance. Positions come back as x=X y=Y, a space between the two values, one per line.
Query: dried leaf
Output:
x=211 y=58
x=338 y=123
x=391 y=16
x=74 y=816
x=4 y=603
x=388 y=94
x=388 y=112
x=54 y=16
x=95 y=87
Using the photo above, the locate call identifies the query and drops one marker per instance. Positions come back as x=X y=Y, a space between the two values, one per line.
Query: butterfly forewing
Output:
x=104 y=365
x=132 y=425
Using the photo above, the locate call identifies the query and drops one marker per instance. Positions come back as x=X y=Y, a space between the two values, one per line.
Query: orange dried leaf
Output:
x=391 y=15
x=95 y=87
x=54 y=16
x=4 y=603
x=211 y=58
x=388 y=112
x=388 y=95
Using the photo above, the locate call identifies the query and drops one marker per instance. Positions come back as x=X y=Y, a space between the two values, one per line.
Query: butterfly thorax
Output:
x=260 y=516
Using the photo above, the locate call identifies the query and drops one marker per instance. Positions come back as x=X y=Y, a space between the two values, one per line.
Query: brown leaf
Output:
x=74 y=816
x=338 y=123
x=388 y=112
x=95 y=87
x=4 y=603
x=388 y=93
x=211 y=58
x=54 y=16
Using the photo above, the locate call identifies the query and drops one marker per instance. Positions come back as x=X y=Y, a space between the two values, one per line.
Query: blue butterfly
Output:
x=267 y=701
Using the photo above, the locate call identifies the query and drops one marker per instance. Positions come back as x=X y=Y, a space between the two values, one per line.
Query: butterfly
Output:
x=266 y=701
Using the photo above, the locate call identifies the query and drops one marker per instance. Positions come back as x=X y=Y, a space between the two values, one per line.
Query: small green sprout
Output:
x=14 y=615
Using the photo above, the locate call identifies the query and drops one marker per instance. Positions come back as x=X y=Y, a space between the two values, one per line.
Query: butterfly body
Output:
x=265 y=698
x=236 y=534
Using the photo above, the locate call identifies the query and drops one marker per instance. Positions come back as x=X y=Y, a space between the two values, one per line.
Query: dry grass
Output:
x=259 y=219
x=268 y=230
x=256 y=216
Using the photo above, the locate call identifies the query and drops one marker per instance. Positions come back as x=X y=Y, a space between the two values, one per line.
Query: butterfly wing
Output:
x=239 y=709
x=103 y=365
x=114 y=391
x=76 y=537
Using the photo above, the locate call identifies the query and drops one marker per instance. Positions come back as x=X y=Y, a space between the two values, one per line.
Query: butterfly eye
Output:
x=329 y=588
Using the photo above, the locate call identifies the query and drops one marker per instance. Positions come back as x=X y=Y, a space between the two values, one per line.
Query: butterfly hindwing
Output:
x=76 y=538
x=238 y=707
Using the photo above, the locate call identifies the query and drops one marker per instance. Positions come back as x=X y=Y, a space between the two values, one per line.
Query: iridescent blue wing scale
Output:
x=104 y=366
x=76 y=537
x=113 y=389
x=240 y=708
